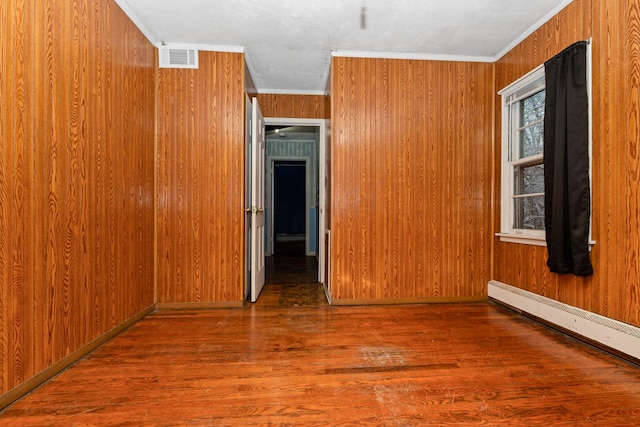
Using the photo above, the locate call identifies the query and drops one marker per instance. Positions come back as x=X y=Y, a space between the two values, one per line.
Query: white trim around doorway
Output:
x=322 y=179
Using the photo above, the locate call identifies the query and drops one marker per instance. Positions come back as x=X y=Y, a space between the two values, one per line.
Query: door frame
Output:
x=271 y=232
x=321 y=124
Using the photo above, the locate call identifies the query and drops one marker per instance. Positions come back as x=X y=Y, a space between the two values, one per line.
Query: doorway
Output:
x=295 y=140
x=292 y=228
x=289 y=208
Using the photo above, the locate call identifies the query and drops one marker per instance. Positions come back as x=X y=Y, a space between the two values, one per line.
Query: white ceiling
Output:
x=288 y=43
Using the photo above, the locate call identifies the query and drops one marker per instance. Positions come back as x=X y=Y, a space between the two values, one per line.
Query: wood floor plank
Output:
x=274 y=364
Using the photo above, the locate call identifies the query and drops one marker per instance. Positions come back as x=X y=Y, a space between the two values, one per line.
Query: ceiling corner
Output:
x=128 y=10
x=532 y=29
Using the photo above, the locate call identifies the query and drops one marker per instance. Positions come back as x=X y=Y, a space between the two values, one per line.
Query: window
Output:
x=522 y=159
x=522 y=187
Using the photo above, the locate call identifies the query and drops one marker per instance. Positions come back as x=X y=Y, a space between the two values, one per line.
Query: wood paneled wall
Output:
x=411 y=179
x=294 y=106
x=76 y=179
x=249 y=84
x=614 y=289
x=200 y=221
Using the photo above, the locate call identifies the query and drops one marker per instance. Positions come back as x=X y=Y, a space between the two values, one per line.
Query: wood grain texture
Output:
x=629 y=295
x=76 y=179
x=294 y=106
x=249 y=84
x=442 y=364
x=411 y=177
x=201 y=115
x=614 y=289
x=67 y=361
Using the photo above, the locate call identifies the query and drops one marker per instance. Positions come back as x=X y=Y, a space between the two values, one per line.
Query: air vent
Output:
x=171 y=57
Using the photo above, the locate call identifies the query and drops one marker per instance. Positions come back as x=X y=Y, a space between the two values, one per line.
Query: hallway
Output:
x=291 y=279
x=287 y=268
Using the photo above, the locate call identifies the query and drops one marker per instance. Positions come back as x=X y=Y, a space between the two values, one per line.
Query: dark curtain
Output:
x=566 y=162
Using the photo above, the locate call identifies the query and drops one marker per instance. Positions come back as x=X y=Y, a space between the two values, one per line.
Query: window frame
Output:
x=521 y=88
x=524 y=87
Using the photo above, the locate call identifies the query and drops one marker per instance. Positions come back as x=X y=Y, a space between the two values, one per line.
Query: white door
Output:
x=257 y=201
x=323 y=199
x=247 y=201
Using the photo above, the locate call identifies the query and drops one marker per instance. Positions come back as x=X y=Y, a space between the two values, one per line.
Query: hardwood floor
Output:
x=275 y=363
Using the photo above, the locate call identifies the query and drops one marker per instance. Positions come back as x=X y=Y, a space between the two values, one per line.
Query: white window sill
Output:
x=529 y=240
x=523 y=239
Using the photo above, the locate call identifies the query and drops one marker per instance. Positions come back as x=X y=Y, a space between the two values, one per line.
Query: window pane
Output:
x=529 y=213
x=528 y=179
x=532 y=109
x=530 y=125
x=531 y=140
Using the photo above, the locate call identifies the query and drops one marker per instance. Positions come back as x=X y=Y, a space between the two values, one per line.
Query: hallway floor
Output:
x=291 y=279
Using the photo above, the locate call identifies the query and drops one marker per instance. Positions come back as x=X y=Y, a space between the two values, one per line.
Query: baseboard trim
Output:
x=34 y=382
x=612 y=335
x=199 y=305
x=407 y=301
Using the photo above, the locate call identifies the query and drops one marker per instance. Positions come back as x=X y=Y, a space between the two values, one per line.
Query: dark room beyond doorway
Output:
x=289 y=208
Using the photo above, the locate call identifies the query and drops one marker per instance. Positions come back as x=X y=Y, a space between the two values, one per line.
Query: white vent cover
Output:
x=172 y=57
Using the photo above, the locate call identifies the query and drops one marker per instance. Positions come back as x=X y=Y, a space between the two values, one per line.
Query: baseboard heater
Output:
x=617 y=337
